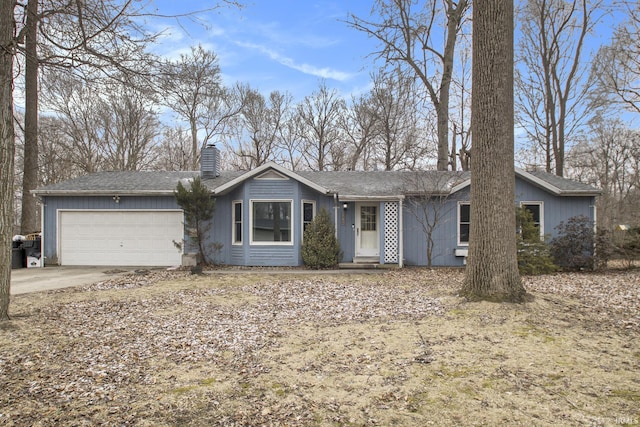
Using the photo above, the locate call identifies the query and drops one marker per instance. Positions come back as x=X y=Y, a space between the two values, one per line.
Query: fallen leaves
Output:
x=107 y=350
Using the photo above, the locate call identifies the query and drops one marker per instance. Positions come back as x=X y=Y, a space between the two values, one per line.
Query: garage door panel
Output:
x=133 y=238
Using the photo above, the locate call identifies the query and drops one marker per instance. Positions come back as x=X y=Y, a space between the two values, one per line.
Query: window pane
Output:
x=238 y=235
x=368 y=220
x=272 y=221
x=465 y=213
x=307 y=212
x=237 y=212
x=535 y=212
x=464 y=233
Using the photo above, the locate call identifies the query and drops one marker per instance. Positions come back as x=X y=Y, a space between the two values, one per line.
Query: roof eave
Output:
x=361 y=198
x=93 y=193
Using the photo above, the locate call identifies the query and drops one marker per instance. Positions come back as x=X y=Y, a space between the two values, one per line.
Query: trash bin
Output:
x=32 y=253
x=17 y=257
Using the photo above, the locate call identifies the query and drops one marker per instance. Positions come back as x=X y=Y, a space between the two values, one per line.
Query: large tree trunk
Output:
x=7 y=148
x=29 y=219
x=492 y=271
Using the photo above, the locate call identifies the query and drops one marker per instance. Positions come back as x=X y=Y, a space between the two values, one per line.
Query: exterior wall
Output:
x=256 y=189
x=346 y=230
x=555 y=210
x=52 y=204
x=445 y=233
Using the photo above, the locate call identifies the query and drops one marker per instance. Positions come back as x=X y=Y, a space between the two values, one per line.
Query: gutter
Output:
x=78 y=193
x=335 y=214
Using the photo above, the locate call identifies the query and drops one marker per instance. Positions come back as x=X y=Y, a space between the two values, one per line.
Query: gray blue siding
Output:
x=445 y=235
x=53 y=204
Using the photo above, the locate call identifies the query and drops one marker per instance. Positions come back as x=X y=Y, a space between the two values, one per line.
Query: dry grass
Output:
x=391 y=348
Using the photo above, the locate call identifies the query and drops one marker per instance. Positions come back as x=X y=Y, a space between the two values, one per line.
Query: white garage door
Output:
x=133 y=238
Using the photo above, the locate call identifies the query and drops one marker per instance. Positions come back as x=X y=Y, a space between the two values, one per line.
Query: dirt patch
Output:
x=392 y=348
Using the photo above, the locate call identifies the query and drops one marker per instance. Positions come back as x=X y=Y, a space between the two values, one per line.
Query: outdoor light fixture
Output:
x=345 y=206
x=116 y=199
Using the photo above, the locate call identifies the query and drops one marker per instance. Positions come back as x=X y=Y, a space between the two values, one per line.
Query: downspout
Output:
x=595 y=228
x=42 y=257
x=335 y=213
x=400 y=235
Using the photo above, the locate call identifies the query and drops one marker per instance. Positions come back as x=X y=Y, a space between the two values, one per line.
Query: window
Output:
x=308 y=213
x=537 y=213
x=464 y=223
x=368 y=218
x=271 y=222
x=237 y=223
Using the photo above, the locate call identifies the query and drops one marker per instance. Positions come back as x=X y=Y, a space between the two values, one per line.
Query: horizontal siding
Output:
x=262 y=255
x=52 y=204
x=273 y=256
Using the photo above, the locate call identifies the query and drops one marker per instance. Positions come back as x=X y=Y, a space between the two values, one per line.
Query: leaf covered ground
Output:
x=391 y=348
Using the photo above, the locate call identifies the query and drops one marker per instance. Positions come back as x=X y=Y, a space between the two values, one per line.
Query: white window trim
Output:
x=254 y=243
x=541 y=204
x=234 y=239
x=302 y=203
x=458 y=223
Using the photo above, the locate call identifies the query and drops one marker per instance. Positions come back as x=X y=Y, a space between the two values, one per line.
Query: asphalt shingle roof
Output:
x=346 y=183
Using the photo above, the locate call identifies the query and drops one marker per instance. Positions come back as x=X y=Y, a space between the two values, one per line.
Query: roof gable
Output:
x=269 y=170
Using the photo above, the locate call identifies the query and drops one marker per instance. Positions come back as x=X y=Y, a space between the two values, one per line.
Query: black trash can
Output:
x=17 y=257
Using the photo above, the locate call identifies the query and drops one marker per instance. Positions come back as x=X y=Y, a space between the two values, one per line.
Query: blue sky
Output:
x=286 y=45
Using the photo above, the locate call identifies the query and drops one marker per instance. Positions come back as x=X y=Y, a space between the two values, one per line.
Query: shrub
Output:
x=534 y=256
x=605 y=248
x=573 y=248
x=198 y=208
x=320 y=248
x=628 y=249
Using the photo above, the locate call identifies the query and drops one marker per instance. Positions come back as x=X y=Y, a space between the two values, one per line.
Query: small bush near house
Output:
x=573 y=248
x=627 y=246
x=320 y=248
x=534 y=256
x=605 y=248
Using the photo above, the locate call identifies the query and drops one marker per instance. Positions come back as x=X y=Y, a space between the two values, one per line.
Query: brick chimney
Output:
x=210 y=162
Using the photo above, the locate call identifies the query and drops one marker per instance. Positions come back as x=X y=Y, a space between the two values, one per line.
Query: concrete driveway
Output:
x=24 y=280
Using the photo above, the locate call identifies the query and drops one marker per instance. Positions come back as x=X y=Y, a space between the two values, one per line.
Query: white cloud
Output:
x=325 y=72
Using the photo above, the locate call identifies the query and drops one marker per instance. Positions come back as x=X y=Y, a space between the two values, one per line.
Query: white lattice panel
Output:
x=391 y=232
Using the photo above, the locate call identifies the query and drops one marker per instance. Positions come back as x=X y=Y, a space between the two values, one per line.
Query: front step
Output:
x=357 y=266
x=366 y=260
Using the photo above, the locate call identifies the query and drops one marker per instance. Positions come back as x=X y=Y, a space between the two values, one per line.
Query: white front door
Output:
x=367 y=225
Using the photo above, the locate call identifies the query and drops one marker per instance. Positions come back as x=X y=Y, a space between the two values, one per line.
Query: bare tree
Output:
x=616 y=67
x=411 y=39
x=460 y=121
x=190 y=84
x=430 y=203
x=610 y=160
x=257 y=128
x=77 y=104
x=359 y=126
x=289 y=142
x=96 y=36
x=492 y=269
x=130 y=127
x=319 y=116
x=399 y=140
x=55 y=162
x=7 y=148
x=173 y=152
x=551 y=84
